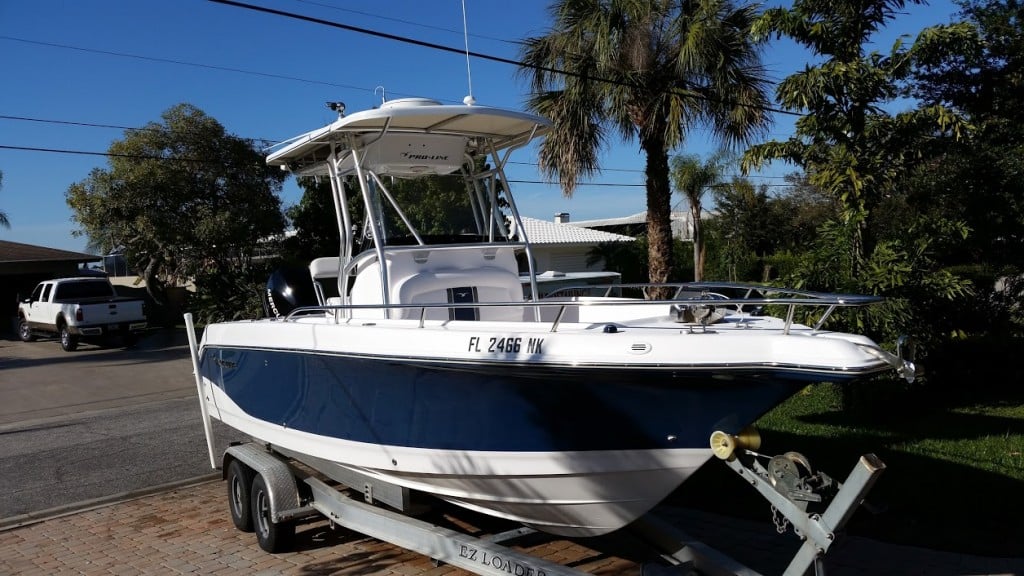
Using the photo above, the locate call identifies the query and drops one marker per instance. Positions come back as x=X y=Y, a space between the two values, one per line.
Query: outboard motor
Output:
x=287 y=289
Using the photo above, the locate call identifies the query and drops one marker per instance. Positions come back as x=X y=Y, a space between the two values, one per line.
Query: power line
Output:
x=69 y=122
x=193 y=64
x=609 y=184
x=454 y=50
x=129 y=128
x=263 y=141
x=409 y=22
x=637 y=170
x=351 y=28
x=107 y=154
x=181 y=159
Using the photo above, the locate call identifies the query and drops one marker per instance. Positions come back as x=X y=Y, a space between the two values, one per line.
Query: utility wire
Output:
x=69 y=122
x=409 y=22
x=265 y=140
x=207 y=161
x=443 y=48
x=108 y=154
x=185 y=63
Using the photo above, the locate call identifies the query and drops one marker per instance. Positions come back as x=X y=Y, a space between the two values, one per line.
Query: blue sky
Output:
x=123 y=62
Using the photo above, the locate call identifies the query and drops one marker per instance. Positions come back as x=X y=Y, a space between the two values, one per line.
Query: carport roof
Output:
x=16 y=252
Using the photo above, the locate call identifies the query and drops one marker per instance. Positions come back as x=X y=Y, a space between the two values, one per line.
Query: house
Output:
x=561 y=250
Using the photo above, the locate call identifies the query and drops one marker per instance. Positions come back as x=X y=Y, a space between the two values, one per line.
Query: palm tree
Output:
x=650 y=70
x=693 y=178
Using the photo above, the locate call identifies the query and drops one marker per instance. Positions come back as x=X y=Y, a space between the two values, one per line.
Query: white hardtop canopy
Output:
x=484 y=130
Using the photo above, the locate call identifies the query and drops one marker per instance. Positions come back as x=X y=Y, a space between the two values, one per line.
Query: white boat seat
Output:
x=485 y=284
x=455 y=274
x=325 y=268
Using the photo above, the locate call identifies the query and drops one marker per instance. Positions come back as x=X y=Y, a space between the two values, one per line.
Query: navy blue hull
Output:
x=491 y=407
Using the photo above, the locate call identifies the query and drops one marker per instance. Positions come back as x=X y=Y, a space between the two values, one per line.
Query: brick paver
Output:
x=188 y=531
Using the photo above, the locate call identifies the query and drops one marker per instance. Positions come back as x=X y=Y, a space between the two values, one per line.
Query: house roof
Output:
x=680 y=221
x=545 y=232
x=17 y=252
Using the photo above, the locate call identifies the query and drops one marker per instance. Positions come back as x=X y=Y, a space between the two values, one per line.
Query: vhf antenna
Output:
x=468 y=100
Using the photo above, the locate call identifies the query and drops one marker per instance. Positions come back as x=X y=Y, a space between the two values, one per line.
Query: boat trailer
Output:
x=285 y=489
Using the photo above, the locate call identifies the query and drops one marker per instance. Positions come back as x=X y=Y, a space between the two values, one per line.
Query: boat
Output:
x=429 y=362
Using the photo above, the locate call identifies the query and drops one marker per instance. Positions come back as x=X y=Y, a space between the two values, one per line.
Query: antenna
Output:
x=338 y=107
x=383 y=95
x=468 y=100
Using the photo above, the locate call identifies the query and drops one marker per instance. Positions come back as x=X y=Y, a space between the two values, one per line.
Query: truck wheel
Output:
x=271 y=537
x=68 y=341
x=240 y=479
x=25 y=331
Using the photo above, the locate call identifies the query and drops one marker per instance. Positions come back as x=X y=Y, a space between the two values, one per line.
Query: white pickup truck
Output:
x=75 y=307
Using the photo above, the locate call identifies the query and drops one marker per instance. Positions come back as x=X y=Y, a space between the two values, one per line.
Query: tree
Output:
x=846 y=143
x=861 y=156
x=757 y=236
x=5 y=222
x=694 y=178
x=314 y=222
x=980 y=180
x=185 y=200
x=649 y=70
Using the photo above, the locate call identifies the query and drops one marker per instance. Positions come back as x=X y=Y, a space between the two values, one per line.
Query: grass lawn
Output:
x=954 y=477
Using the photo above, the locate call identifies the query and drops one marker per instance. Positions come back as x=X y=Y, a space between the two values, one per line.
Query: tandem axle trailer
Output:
x=271 y=491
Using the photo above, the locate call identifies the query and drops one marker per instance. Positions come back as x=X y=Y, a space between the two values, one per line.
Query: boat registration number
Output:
x=511 y=345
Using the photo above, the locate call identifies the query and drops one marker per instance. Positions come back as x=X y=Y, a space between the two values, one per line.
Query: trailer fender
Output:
x=278 y=477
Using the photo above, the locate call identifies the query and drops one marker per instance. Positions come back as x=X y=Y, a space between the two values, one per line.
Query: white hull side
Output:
x=566 y=493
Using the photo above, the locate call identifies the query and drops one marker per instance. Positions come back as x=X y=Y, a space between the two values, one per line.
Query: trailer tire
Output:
x=272 y=537
x=240 y=478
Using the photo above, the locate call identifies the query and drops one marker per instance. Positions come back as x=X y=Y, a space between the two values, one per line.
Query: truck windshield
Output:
x=84 y=289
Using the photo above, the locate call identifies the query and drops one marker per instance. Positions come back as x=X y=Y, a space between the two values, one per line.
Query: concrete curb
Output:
x=27 y=519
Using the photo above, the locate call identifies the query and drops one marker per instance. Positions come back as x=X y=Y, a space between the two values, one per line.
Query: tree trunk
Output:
x=154 y=286
x=659 y=207
x=698 y=243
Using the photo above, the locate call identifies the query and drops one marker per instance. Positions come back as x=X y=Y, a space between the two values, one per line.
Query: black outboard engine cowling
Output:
x=287 y=289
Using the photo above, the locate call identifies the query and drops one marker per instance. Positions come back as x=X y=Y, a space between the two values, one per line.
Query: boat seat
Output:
x=324 y=269
x=470 y=274
x=486 y=284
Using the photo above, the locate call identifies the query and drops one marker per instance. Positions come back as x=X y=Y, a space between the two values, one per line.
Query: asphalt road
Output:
x=97 y=422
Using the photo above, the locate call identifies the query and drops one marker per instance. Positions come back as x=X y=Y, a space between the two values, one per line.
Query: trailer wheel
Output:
x=272 y=537
x=68 y=341
x=240 y=478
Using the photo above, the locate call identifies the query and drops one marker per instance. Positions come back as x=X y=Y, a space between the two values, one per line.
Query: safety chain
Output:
x=780 y=521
